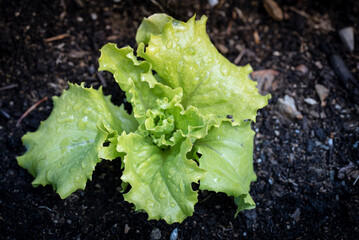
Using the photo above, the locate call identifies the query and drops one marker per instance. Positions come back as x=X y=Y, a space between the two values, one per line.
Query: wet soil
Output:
x=307 y=168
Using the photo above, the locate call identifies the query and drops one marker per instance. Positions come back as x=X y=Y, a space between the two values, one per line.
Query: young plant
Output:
x=190 y=123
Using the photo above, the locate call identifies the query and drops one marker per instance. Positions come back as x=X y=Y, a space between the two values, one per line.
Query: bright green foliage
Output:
x=191 y=123
x=160 y=180
x=227 y=154
x=64 y=150
x=184 y=57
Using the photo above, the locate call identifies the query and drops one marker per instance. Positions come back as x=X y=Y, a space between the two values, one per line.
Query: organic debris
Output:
x=322 y=92
x=347 y=37
x=287 y=107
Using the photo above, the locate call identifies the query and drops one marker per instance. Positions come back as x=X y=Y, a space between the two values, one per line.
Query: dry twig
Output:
x=8 y=87
x=29 y=110
x=158 y=5
x=58 y=37
x=102 y=80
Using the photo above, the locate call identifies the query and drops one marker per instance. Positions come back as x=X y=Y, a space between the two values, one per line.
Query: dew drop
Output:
x=82 y=123
x=173 y=205
x=83 y=165
x=149 y=203
x=77 y=179
x=178 y=48
x=65 y=120
x=162 y=195
x=152 y=50
x=224 y=71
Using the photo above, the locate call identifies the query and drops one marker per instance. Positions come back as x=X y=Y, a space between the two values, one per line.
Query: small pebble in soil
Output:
x=212 y=3
x=156 y=234
x=302 y=69
x=318 y=64
x=337 y=107
x=91 y=69
x=322 y=92
x=287 y=107
x=94 y=16
x=174 y=234
x=347 y=37
x=276 y=53
x=127 y=229
x=310 y=101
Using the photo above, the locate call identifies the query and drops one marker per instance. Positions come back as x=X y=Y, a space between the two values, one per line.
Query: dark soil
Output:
x=305 y=189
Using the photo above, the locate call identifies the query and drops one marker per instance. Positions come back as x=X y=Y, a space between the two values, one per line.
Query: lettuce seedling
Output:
x=191 y=123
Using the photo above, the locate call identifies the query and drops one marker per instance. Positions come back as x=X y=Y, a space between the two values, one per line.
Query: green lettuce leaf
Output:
x=244 y=202
x=64 y=150
x=136 y=79
x=151 y=25
x=150 y=98
x=184 y=57
x=160 y=180
x=227 y=156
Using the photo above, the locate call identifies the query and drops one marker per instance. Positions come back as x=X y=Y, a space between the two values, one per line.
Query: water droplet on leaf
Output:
x=83 y=165
x=162 y=195
x=149 y=203
x=224 y=71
